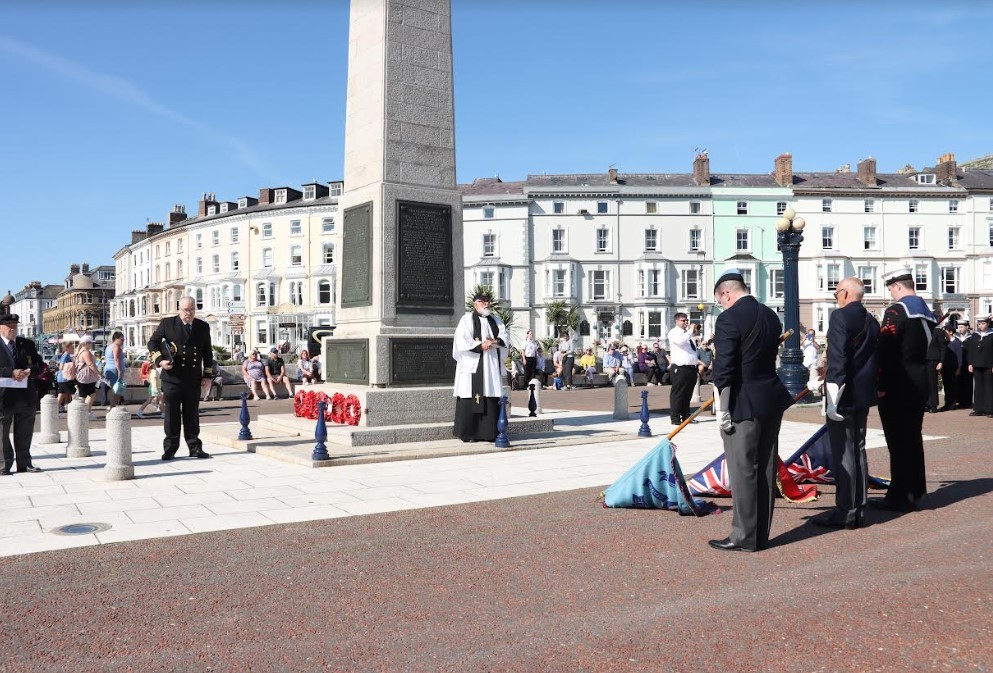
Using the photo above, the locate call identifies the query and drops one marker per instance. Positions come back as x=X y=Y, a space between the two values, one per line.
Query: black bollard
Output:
x=501 y=439
x=532 y=403
x=244 y=419
x=644 y=430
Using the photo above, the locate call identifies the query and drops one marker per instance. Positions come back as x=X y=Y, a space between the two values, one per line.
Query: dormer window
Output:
x=243 y=202
x=926 y=178
x=280 y=196
x=224 y=207
x=309 y=192
x=334 y=188
x=211 y=210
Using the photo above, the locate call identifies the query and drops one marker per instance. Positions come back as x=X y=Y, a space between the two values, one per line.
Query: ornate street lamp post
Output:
x=791 y=370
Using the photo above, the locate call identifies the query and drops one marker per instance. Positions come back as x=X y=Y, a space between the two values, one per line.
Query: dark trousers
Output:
x=949 y=383
x=568 y=364
x=529 y=366
x=653 y=375
x=751 y=448
x=983 y=400
x=964 y=387
x=683 y=380
x=932 y=384
x=903 y=420
x=17 y=413
x=849 y=464
x=182 y=412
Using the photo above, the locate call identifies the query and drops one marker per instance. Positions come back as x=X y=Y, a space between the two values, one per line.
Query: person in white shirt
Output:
x=683 y=368
x=529 y=356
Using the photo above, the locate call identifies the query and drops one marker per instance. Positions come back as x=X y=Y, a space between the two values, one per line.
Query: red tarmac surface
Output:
x=543 y=583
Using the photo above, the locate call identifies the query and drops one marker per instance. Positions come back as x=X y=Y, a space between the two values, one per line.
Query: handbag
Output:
x=119 y=388
x=86 y=373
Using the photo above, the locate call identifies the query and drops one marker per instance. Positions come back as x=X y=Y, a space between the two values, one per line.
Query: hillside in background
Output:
x=982 y=162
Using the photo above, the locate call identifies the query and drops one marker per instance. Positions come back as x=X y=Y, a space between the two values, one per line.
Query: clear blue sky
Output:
x=111 y=114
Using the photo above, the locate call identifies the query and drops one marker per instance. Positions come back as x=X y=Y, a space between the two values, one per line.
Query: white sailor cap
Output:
x=964 y=322
x=897 y=275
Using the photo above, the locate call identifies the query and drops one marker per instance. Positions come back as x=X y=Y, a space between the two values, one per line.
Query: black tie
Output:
x=189 y=329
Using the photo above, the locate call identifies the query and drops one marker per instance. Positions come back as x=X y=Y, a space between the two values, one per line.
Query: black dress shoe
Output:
x=168 y=455
x=832 y=520
x=892 y=505
x=975 y=413
x=200 y=454
x=31 y=468
x=727 y=545
x=5 y=472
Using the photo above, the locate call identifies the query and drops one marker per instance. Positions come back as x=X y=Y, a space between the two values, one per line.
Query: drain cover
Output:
x=81 y=528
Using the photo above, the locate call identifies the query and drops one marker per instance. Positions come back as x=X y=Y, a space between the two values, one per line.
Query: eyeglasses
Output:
x=839 y=291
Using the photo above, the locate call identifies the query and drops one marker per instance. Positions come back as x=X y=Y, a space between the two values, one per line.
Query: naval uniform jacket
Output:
x=25 y=357
x=851 y=356
x=750 y=373
x=193 y=357
x=901 y=353
x=979 y=350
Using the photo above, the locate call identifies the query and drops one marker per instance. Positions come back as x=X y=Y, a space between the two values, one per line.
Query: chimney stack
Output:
x=177 y=215
x=73 y=269
x=85 y=268
x=266 y=196
x=207 y=199
x=155 y=228
x=867 y=172
x=612 y=176
x=783 y=172
x=947 y=169
x=701 y=169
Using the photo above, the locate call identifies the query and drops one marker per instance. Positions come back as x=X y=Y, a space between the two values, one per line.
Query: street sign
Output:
x=236 y=307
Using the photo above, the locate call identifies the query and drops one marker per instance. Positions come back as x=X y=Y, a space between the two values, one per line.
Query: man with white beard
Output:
x=479 y=348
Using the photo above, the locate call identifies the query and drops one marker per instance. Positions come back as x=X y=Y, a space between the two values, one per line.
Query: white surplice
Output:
x=468 y=361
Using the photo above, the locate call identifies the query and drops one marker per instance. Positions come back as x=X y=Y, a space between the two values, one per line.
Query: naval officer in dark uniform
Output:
x=19 y=362
x=979 y=352
x=750 y=401
x=850 y=391
x=181 y=346
x=907 y=328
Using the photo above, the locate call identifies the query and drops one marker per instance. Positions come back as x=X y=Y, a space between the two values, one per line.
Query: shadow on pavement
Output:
x=951 y=492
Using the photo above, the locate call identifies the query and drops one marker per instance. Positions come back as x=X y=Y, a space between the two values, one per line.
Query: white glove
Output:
x=722 y=400
x=831 y=398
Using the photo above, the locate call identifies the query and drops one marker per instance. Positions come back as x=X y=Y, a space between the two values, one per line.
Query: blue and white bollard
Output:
x=501 y=439
x=244 y=419
x=644 y=430
x=532 y=402
x=321 y=434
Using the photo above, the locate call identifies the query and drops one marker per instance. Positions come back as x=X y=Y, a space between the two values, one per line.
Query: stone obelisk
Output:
x=401 y=289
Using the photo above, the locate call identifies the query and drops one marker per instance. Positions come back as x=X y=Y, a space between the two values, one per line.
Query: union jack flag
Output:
x=712 y=480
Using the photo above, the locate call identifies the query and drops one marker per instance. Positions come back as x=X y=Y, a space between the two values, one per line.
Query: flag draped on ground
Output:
x=811 y=463
x=656 y=482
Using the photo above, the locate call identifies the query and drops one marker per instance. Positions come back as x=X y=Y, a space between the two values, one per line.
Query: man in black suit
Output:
x=750 y=401
x=181 y=346
x=850 y=390
x=907 y=327
x=19 y=363
x=935 y=356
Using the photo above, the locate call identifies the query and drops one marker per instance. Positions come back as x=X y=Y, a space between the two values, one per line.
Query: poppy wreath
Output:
x=337 y=409
x=353 y=410
x=340 y=409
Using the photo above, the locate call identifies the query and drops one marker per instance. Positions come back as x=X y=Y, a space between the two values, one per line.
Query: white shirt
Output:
x=530 y=348
x=682 y=351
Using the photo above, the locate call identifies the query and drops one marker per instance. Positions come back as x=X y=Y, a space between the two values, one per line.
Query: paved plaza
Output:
x=493 y=562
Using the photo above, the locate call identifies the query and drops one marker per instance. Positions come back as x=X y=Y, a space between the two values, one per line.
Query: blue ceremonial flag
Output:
x=656 y=482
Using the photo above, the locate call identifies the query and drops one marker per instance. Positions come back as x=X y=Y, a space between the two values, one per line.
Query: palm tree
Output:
x=561 y=315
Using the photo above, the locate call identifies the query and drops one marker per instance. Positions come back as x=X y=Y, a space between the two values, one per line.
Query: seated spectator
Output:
x=305 y=368
x=214 y=385
x=276 y=372
x=588 y=364
x=627 y=365
x=612 y=362
x=705 y=363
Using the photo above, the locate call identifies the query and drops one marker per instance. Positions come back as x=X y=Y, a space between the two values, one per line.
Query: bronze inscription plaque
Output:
x=356 y=258
x=424 y=256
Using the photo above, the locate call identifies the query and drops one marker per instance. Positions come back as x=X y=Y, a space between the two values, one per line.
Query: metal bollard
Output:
x=621 y=412
x=79 y=430
x=532 y=402
x=321 y=434
x=644 y=430
x=501 y=439
x=244 y=419
x=120 y=466
x=49 y=421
